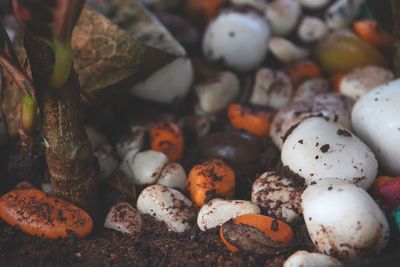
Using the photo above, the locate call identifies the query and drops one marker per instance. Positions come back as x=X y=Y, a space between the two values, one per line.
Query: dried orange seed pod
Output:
x=369 y=31
x=168 y=139
x=273 y=236
x=302 y=70
x=211 y=179
x=252 y=121
x=39 y=214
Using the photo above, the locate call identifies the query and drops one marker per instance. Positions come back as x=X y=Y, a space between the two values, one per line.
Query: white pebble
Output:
x=303 y=258
x=311 y=29
x=342 y=13
x=311 y=88
x=147 y=166
x=330 y=106
x=271 y=89
x=343 y=220
x=285 y=51
x=218 y=211
x=238 y=39
x=216 y=93
x=174 y=176
x=126 y=165
x=319 y=149
x=124 y=218
x=283 y=16
x=362 y=80
x=279 y=196
x=376 y=120
x=167 y=205
x=168 y=85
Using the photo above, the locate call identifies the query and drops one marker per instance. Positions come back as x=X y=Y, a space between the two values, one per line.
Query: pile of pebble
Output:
x=306 y=74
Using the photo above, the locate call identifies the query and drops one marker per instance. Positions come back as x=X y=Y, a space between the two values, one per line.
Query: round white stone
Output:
x=238 y=39
x=376 y=120
x=318 y=149
x=167 y=205
x=218 y=211
x=167 y=85
x=343 y=220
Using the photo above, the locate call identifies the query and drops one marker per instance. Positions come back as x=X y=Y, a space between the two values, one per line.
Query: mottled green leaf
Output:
x=132 y=45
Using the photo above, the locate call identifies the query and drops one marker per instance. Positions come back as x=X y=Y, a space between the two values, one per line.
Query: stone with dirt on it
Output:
x=124 y=218
x=39 y=214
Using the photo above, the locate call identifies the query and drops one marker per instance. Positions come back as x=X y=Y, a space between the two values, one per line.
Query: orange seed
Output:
x=42 y=215
x=211 y=179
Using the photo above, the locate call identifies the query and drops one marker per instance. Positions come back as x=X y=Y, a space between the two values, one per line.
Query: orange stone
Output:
x=39 y=214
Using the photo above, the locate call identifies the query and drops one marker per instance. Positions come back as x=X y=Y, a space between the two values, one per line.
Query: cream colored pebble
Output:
x=285 y=51
x=311 y=29
x=278 y=195
x=271 y=89
x=147 y=166
x=218 y=92
x=174 y=176
x=283 y=16
x=362 y=80
x=218 y=211
x=124 y=218
x=167 y=205
x=303 y=258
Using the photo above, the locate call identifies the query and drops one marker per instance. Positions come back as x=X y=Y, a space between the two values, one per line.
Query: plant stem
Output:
x=68 y=152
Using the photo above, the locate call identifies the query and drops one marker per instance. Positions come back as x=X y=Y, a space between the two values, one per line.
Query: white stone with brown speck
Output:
x=375 y=118
x=218 y=211
x=283 y=16
x=278 y=195
x=343 y=220
x=147 y=166
x=318 y=148
x=174 y=176
x=362 y=80
x=124 y=218
x=271 y=89
x=304 y=258
x=167 y=205
x=237 y=39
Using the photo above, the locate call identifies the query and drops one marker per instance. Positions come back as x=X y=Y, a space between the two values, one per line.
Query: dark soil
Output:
x=155 y=246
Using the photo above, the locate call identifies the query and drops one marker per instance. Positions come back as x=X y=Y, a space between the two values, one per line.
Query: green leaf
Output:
x=127 y=47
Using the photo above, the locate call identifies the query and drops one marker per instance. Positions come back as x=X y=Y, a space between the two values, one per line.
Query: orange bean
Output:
x=211 y=179
x=281 y=232
x=39 y=214
x=369 y=31
x=277 y=230
x=302 y=70
x=203 y=10
x=336 y=79
x=253 y=122
x=167 y=138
